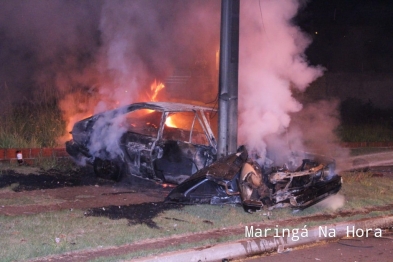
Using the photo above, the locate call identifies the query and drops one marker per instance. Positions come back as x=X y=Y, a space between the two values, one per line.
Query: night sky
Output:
x=350 y=35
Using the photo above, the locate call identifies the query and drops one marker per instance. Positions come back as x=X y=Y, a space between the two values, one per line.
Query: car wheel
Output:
x=108 y=169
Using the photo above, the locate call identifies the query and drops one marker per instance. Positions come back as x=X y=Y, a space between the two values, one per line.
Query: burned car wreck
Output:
x=176 y=143
x=160 y=141
x=236 y=179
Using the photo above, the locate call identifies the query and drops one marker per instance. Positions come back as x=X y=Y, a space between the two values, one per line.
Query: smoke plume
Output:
x=273 y=66
x=95 y=55
x=92 y=56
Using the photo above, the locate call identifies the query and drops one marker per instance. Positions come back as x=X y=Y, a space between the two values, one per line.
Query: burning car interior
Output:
x=161 y=141
x=175 y=143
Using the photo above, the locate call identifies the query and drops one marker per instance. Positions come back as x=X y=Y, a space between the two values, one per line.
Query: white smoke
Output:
x=333 y=202
x=106 y=134
x=272 y=64
x=143 y=40
x=96 y=55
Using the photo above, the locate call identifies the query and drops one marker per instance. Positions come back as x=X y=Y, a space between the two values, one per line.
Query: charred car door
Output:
x=187 y=144
x=138 y=143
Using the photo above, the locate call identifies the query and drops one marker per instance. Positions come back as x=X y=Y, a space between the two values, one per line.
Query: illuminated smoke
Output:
x=147 y=40
x=272 y=64
x=143 y=41
x=96 y=55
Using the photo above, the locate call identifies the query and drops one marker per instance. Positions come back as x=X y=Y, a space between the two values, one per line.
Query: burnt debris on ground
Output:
x=135 y=214
x=55 y=178
x=50 y=179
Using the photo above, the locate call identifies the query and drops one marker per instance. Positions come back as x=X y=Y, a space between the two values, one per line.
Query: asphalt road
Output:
x=355 y=250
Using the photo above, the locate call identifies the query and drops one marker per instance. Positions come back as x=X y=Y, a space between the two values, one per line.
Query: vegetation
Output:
x=31 y=125
x=365 y=133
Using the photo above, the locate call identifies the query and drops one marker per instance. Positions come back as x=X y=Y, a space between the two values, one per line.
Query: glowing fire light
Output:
x=155 y=88
x=164 y=185
x=169 y=122
x=71 y=122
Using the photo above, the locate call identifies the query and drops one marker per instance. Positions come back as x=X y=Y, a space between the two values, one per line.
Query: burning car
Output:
x=175 y=143
x=238 y=179
x=154 y=140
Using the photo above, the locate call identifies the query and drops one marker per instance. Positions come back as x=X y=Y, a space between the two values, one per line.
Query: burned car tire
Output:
x=108 y=169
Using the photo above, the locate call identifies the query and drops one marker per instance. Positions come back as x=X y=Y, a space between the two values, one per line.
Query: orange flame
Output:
x=169 y=122
x=155 y=88
x=165 y=185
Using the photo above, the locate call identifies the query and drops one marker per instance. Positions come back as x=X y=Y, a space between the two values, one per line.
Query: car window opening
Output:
x=186 y=127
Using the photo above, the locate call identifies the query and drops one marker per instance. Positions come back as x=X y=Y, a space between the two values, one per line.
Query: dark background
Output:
x=350 y=35
x=353 y=40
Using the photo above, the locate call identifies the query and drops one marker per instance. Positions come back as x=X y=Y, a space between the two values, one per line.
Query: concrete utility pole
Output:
x=228 y=77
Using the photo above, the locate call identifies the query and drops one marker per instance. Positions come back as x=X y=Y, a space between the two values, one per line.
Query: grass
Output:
x=28 y=200
x=369 y=150
x=26 y=237
x=365 y=133
x=32 y=125
x=361 y=189
x=41 y=164
x=62 y=164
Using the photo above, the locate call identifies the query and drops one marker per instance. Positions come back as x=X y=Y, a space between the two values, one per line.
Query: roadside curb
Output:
x=256 y=246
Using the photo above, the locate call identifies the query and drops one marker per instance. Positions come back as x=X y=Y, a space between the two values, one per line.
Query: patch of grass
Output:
x=32 y=125
x=365 y=133
x=369 y=150
x=41 y=164
x=361 y=189
x=28 y=200
x=47 y=163
x=26 y=237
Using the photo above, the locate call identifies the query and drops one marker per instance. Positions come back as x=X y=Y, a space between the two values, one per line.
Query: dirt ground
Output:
x=80 y=189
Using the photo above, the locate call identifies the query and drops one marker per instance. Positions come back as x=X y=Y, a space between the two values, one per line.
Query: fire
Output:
x=71 y=120
x=155 y=88
x=165 y=185
x=169 y=122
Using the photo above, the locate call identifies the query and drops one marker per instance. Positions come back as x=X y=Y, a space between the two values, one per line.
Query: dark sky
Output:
x=350 y=35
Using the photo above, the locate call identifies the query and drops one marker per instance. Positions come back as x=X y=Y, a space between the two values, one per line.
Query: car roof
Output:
x=168 y=106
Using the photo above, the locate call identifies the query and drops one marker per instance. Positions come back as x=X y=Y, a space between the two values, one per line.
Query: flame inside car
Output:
x=161 y=141
x=170 y=122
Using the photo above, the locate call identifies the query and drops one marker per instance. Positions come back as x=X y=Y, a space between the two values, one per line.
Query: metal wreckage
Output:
x=175 y=143
x=238 y=179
